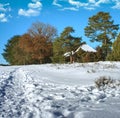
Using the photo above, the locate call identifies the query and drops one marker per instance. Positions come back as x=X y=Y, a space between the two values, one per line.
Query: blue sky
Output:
x=16 y=16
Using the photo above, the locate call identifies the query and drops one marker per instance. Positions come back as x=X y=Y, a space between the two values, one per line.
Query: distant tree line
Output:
x=41 y=44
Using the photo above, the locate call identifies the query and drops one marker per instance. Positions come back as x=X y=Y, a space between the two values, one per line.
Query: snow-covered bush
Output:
x=104 y=82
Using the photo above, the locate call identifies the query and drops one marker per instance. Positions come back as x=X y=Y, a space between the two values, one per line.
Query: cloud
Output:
x=29 y=12
x=117 y=4
x=2 y=8
x=70 y=8
x=93 y=4
x=91 y=1
x=101 y=2
x=77 y=3
x=34 y=9
x=74 y=5
x=55 y=2
x=5 y=7
x=36 y=5
x=3 y=18
x=4 y=12
x=89 y=4
x=89 y=8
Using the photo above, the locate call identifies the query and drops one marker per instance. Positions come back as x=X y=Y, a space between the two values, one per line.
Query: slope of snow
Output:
x=58 y=91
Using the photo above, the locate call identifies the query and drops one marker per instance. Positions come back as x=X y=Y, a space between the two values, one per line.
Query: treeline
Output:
x=35 y=46
x=41 y=44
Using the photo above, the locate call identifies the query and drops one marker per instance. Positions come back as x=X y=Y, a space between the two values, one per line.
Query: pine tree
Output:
x=115 y=55
x=65 y=43
x=102 y=29
x=12 y=51
x=58 y=51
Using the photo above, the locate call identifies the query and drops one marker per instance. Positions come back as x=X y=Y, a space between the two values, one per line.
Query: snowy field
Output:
x=59 y=91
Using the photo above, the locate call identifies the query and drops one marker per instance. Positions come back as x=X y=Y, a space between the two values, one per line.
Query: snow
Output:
x=59 y=91
x=67 y=54
x=87 y=48
x=84 y=47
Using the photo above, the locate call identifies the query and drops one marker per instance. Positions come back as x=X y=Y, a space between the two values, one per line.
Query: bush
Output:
x=104 y=82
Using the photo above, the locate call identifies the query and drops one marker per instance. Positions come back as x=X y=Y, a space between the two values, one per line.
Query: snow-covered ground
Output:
x=59 y=91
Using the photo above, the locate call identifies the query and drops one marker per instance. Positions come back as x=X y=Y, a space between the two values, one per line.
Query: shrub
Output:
x=104 y=82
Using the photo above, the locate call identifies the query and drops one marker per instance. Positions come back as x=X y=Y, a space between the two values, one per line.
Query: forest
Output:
x=41 y=44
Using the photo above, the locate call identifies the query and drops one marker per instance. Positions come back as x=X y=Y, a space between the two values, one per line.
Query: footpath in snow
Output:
x=59 y=91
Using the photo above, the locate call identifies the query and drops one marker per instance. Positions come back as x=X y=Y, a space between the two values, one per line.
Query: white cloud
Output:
x=33 y=9
x=4 y=20
x=36 y=5
x=55 y=2
x=77 y=3
x=101 y=2
x=5 y=7
x=91 y=1
x=3 y=17
x=117 y=4
x=70 y=8
x=90 y=5
x=2 y=8
x=29 y=12
x=90 y=8
x=4 y=12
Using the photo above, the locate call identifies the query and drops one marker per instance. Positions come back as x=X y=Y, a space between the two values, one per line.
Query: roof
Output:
x=84 y=47
x=87 y=48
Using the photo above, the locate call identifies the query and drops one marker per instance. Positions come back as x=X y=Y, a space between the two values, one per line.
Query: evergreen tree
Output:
x=115 y=55
x=102 y=29
x=12 y=51
x=58 y=51
x=65 y=43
